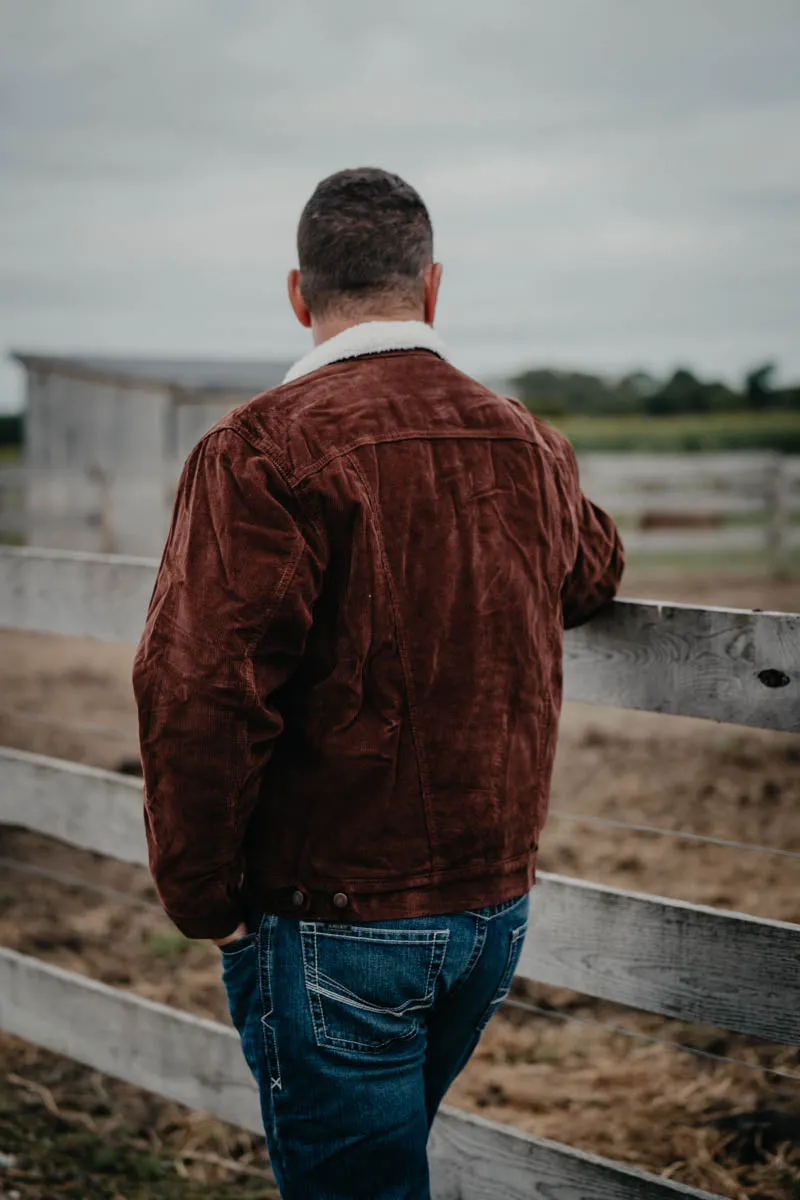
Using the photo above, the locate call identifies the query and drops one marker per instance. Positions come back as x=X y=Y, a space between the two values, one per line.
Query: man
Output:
x=349 y=686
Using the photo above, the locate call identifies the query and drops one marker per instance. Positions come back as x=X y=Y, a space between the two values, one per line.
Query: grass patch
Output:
x=777 y=430
x=167 y=944
x=722 y=563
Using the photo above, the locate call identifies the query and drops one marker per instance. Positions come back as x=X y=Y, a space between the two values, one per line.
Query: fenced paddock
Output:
x=686 y=961
x=700 y=503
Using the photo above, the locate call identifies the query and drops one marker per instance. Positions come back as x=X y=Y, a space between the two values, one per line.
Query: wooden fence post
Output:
x=777 y=506
x=103 y=481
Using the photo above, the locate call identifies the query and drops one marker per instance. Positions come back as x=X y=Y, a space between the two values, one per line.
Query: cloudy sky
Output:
x=613 y=183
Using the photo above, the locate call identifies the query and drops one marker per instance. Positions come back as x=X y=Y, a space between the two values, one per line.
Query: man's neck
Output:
x=330 y=326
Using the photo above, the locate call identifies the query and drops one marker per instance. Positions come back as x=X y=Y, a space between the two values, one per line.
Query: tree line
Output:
x=10 y=429
x=555 y=393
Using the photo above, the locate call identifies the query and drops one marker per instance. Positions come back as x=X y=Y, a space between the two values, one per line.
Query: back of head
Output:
x=364 y=237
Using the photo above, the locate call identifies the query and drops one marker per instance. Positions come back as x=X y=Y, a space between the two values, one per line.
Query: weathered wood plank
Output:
x=198 y=1063
x=721 y=664
x=474 y=1159
x=747 y=539
x=683 y=960
x=708 y=503
x=75 y=594
x=728 y=470
x=193 y=1061
x=718 y=663
x=83 y=806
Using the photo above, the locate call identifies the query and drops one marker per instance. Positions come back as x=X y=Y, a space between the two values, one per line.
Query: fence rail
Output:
x=685 y=961
x=722 y=664
x=669 y=503
x=700 y=503
x=91 y=510
x=159 y=1048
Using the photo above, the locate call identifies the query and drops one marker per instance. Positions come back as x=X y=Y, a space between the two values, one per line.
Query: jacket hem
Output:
x=436 y=897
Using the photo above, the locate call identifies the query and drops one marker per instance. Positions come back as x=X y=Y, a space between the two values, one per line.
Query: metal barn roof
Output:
x=228 y=375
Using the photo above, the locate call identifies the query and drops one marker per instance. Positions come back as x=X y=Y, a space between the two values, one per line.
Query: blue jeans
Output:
x=354 y=1034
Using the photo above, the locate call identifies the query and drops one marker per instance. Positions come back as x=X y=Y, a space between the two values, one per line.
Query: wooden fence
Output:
x=86 y=510
x=667 y=503
x=685 y=961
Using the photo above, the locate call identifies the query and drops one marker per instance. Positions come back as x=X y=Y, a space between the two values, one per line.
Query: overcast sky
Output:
x=613 y=183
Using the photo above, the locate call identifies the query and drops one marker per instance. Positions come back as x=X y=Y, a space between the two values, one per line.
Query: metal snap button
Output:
x=298 y=898
x=340 y=900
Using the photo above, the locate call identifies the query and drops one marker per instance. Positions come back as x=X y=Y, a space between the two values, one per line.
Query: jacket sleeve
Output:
x=226 y=627
x=599 y=561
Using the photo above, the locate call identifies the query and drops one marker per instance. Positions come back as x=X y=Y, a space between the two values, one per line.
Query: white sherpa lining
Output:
x=370 y=337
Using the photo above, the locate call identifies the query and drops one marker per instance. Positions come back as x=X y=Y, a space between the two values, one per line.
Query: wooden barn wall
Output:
x=194 y=417
x=78 y=424
x=87 y=445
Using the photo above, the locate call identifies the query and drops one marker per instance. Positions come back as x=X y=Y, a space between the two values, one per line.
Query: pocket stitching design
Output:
x=436 y=939
x=267 y=1007
x=383 y=937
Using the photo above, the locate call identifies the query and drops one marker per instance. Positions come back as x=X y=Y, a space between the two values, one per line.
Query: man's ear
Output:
x=431 y=278
x=297 y=300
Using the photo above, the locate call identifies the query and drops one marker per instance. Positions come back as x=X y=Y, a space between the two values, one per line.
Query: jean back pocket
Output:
x=367 y=984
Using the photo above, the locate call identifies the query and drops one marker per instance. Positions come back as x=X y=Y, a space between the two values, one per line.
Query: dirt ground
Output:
x=731 y=1129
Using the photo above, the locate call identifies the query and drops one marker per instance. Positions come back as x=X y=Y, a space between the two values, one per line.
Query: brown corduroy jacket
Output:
x=350 y=678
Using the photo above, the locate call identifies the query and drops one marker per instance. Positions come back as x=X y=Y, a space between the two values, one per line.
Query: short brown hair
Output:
x=363 y=233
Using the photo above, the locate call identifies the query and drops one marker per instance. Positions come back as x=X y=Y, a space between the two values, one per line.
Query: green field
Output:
x=778 y=429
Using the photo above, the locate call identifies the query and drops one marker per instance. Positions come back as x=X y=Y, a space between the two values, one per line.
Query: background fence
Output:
x=665 y=503
x=685 y=961
x=86 y=510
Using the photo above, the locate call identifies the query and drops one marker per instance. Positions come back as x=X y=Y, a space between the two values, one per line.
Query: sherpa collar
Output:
x=370 y=337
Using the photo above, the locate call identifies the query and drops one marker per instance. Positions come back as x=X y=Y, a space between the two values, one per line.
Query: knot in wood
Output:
x=772 y=678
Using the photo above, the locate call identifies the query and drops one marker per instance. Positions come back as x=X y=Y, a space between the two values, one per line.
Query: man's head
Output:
x=365 y=246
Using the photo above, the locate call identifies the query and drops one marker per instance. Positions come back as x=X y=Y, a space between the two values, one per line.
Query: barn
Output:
x=107 y=413
x=105 y=437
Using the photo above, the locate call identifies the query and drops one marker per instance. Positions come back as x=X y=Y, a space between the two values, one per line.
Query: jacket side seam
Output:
x=403 y=652
x=249 y=670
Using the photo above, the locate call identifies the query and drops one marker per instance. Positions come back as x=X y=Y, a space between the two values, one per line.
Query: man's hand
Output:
x=239 y=932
